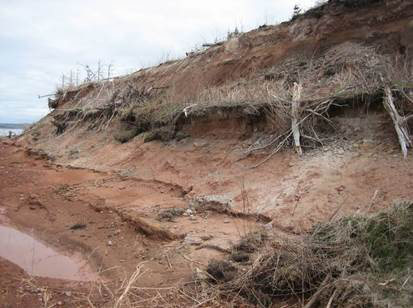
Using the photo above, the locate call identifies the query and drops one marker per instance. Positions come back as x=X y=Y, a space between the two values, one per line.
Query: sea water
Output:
x=5 y=131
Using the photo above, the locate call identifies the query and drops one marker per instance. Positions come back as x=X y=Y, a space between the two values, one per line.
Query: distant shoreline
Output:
x=13 y=125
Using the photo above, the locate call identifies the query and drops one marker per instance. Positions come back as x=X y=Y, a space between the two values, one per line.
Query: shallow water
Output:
x=39 y=260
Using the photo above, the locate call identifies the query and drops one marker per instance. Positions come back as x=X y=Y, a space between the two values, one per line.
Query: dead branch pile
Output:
x=72 y=118
x=355 y=261
x=131 y=94
x=98 y=107
x=293 y=101
x=339 y=77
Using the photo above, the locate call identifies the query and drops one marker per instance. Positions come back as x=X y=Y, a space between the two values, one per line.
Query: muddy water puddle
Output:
x=37 y=259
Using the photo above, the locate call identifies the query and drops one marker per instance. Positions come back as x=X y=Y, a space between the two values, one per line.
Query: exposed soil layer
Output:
x=121 y=205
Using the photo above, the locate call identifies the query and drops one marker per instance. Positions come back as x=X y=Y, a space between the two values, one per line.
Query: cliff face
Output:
x=168 y=166
x=384 y=24
x=339 y=51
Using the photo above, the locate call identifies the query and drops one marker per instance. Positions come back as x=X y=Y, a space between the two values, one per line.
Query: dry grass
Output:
x=367 y=261
x=126 y=286
x=337 y=77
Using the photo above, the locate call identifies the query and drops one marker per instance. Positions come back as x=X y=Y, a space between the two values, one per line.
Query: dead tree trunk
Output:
x=400 y=123
x=295 y=113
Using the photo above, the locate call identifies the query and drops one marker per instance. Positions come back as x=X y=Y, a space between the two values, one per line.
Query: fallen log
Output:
x=207 y=45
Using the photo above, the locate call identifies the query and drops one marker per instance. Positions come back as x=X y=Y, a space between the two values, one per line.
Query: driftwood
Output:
x=295 y=113
x=400 y=123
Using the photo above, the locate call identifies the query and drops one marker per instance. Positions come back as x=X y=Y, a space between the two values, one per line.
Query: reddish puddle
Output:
x=39 y=260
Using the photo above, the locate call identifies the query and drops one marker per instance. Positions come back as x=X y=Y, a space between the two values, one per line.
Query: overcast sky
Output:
x=40 y=40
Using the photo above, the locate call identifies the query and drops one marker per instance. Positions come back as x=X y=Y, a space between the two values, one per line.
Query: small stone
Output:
x=110 y=243
x=206 y=237
x=78 y=226
x=200 y=144
x=200 y=275
x=68 y=293
x=268 y=226
x=191 y=240
x=227 y=221
x=59 y=303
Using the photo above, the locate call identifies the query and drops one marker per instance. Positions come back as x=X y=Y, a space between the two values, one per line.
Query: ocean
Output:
x=5 y=131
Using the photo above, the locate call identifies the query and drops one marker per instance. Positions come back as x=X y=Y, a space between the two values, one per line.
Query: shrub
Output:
x=366 y=261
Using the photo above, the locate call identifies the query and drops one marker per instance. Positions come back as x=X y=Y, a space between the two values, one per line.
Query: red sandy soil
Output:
x=46 y=199
x=119 y=191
